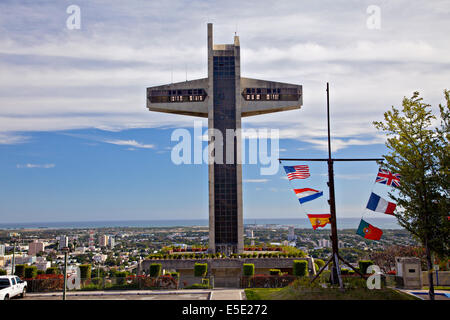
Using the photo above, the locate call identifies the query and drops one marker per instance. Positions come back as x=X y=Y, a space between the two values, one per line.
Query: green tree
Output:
x=419 y=153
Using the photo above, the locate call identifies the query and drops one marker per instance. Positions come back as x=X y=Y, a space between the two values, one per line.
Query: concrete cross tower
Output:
x=224 y=97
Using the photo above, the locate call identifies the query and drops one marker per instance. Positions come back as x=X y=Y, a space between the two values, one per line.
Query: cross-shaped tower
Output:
x=224 y=97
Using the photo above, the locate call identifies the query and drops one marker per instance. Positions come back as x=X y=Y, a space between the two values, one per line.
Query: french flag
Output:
x=378 y=204
x=307 y=194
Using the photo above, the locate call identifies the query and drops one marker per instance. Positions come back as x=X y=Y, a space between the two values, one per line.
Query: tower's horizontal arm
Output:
x=261 y=96
x=186 y=98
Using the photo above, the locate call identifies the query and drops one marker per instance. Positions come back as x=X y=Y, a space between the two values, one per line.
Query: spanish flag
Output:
x=319 y=220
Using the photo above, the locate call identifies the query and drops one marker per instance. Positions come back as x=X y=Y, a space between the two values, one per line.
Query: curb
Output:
x=87 y=293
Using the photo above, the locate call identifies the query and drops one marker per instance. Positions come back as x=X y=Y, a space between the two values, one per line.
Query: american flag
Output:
x=388 y=178
x=297 y=172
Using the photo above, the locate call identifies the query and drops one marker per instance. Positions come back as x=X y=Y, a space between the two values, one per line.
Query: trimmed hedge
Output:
x=30 y=272
x=275 y=272
x=52 y=270
x=364 y=264
x=300 y=268
x=248 y=269
x=155 y=270
x=85 y=271
x=319 y=262
x=200 y=269
x=316 y=267
x=3 y=272
x=20 y=270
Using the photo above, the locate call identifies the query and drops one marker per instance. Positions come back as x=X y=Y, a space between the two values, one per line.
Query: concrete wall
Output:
x=443 y=276
x=225 y=266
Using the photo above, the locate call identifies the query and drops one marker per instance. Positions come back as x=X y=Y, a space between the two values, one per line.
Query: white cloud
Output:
x=97 y=78
x=32 y=166
x=12 y=138
x=255 y=180
x=132 y=143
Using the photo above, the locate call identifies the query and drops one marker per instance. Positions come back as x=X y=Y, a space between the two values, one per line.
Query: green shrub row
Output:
x=219 y=256
x=155 y=269
x=200 y=269
x=300 y=268
x=248 y=269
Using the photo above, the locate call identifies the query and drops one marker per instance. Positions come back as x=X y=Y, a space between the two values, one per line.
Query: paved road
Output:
x=186 y=296
x=216 y=294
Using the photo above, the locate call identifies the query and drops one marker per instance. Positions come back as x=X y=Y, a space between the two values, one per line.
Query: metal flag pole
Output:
x=335 y=257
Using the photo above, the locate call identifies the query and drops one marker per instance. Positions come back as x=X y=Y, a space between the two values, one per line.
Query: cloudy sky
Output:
x=76 y=139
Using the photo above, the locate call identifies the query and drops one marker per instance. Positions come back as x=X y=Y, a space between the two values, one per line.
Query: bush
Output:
x=248 y=269
x=275 y=272
x=198 y=286
x=20 y=270
x=155 y=270
x=364 y=264
x=85 y=271
x=175 y=275
x=121 y=277
x=200 y=269
x=30 y=272
x=316 y=267
x=40 y=272
x=52 y=270
x=344 y=271
x=300 y=268
x=3 y=272
x=320 y=263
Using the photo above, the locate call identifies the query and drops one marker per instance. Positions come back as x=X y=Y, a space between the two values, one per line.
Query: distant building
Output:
x=2 y=249
x=43 y=265
x=249 y=233
x=63 y=242
x=103 y=240
x=24 y=259
x=291 y=234
x=35 y=247
x=111 y=242
x=99 y=258
x=324 y=243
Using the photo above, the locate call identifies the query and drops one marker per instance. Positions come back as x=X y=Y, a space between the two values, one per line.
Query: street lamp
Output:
x=66 y=251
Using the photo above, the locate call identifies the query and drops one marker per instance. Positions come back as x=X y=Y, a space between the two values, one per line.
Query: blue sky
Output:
x=76 y=139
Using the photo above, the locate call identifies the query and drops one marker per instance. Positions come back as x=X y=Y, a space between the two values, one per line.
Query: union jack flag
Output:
x=388 y=178
x=297 y=172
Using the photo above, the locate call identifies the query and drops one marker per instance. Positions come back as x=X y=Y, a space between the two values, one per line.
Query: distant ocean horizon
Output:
x=342 y=223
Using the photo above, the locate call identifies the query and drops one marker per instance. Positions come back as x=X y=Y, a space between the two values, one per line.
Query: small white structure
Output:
x=410 y=271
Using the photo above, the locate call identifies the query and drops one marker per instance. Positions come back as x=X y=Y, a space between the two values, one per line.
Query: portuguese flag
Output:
x=319 y=220
x=368 y=231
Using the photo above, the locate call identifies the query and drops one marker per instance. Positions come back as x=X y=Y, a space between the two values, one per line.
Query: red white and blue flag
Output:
x=388 y=178
x=307 y=194
x=378 y=204
x=297 y=172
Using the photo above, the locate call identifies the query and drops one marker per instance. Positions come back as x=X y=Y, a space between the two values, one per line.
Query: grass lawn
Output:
x=289 y=293
x=438 y=288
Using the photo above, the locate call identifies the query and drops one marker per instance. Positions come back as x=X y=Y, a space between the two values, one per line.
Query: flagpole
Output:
x=335 y=257
x=335 y=274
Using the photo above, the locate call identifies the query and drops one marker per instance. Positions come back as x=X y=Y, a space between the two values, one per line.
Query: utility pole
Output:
x=14 y=237
x=335 y=257
x=13 y=262
x=66 y=251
